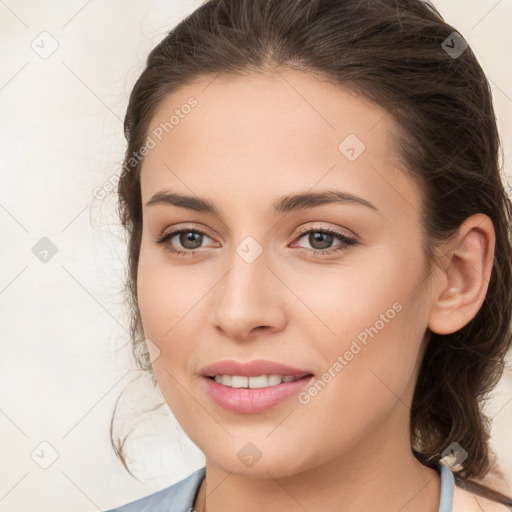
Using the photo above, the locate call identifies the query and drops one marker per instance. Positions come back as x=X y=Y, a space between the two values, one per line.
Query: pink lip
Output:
x=247 y=400
x=252 y=369
x=251 y=401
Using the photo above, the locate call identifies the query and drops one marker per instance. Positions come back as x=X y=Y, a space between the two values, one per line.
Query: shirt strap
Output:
x=447 y=488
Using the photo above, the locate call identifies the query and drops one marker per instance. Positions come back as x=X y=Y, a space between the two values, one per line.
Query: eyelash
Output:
x=347 y=241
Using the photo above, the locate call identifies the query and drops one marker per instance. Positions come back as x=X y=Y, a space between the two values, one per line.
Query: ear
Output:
x=466 y=269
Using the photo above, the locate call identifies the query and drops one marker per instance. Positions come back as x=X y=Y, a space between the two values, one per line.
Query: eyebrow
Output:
x=285 y=204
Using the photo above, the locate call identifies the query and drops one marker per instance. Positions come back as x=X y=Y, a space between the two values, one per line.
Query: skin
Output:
x=249 y=141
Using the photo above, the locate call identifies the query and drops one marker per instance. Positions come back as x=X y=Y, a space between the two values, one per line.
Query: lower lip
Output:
x=250 y=401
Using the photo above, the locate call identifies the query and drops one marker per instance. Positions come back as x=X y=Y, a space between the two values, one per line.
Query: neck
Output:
x=378 y=473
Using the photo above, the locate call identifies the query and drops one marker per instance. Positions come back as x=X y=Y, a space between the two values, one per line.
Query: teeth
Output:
x=239 y=382
x=261 y=381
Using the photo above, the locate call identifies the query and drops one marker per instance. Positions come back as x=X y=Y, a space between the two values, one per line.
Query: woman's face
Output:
x=347 y=307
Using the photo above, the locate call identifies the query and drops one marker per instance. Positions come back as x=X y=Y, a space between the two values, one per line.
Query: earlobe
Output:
x=466 y=274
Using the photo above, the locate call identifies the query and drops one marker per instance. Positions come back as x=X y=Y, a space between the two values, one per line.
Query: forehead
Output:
x=260 y=134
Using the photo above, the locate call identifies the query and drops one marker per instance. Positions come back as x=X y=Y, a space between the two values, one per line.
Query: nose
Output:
x=248 y=300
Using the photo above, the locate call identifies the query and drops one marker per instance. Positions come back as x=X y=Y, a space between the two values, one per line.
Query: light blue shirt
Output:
x=180 y=497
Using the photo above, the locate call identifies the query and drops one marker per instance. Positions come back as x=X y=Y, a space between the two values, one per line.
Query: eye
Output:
x=321 y=241
x=190 y=240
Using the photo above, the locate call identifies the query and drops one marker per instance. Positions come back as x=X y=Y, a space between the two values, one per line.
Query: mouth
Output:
x=256 y=394
x=257 y=382
x=256 y=368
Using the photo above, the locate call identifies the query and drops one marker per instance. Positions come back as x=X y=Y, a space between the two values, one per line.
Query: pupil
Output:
x=325 y=237
x=190 y=237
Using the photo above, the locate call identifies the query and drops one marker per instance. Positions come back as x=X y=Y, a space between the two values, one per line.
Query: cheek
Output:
x=161 y=304
x=377 y=359
x=152 y=305
x=166 y=323
x=366 y=296
x=165 y=295
x=171 y=305
x=368 y=374
x=376 y=322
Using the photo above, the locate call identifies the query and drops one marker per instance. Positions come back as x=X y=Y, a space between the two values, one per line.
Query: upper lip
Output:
x=252 y=369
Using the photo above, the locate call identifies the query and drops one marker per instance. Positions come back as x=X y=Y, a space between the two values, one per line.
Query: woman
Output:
x=319 y=255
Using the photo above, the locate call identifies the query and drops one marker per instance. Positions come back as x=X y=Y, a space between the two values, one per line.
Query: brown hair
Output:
x=393 y=52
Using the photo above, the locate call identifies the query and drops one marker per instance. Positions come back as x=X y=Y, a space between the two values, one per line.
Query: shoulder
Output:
x=179 y=497
x=465 y=500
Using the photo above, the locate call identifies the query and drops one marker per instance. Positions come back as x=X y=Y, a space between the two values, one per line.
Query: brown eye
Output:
x=190 y=239
x=321 y=241
x=187 y=241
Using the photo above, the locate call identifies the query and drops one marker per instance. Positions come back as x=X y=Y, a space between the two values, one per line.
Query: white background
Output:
x=65 y=353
